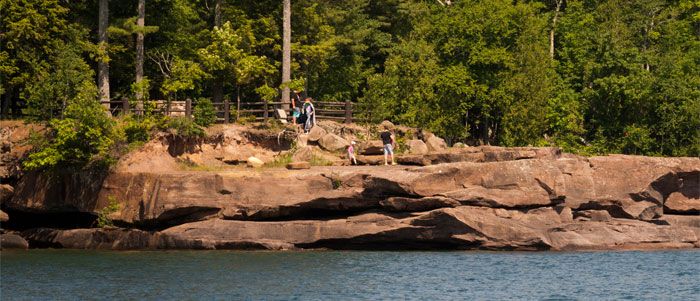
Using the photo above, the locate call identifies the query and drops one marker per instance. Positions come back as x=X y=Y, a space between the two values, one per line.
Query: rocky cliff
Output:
x=484 y=198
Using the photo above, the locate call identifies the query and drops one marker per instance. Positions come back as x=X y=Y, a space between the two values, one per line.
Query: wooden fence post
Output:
x=238 y=108
x=348 y=111
x=227 y=110
x=188 y=107
x=125 y=106
x=265 y=113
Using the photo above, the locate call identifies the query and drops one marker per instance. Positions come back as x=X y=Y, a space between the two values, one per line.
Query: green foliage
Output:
x=139 y=128
x=623 y=76
x=204 y=112
x=103 y=219
x=184 y=127
x=142 y=88
x=184 y=76
x=85 y=133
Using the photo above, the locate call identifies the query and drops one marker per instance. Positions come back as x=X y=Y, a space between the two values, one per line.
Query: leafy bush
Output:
x=184 y=127
x=85 y=133
x=139 y=128
x=103 y=219
x=204 y=112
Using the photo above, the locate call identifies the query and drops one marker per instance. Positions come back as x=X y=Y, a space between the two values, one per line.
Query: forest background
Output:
x=593 y=77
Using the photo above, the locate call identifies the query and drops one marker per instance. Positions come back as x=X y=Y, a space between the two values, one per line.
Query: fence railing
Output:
x=228 y=111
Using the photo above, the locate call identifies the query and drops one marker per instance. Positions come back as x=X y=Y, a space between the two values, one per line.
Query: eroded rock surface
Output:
x=512 y=199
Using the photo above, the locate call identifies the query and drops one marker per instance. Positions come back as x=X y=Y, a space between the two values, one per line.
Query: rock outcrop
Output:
x=486 y=198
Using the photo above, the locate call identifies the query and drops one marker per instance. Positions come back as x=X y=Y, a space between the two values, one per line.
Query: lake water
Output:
x=332 y=275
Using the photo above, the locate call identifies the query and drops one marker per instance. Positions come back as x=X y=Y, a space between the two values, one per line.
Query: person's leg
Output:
x=386 y=153
x=391 y=152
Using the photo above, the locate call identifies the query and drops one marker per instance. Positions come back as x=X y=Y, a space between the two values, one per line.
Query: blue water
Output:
x=319 y=275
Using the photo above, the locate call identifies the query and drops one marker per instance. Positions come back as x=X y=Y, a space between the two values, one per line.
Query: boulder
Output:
x=299 y=165
x=370 y=160
x=435 y=143
x=4 y=217
x=333 y=142
x=685 y=195
x=12 y=241
x=302 y=140
x=565 y=213
x=386 y=124
x=371 y=147
x=303 y=154
x=254 y=162
x=594 y=215
x=459 y=145
x=417 y=147
x=6 y=192
x=316 y=133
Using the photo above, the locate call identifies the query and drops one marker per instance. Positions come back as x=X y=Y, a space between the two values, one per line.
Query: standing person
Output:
x=351 y=153
x=310 y=112
x=296 y=112
x=388 y=141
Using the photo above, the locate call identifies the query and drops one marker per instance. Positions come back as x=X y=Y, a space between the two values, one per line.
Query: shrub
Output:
x=139 y=128
x=184 y=127
x=204 y=113
x=103 y=219
x=84 y=134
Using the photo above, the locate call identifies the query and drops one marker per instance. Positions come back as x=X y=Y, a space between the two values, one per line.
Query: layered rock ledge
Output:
x=490 y=199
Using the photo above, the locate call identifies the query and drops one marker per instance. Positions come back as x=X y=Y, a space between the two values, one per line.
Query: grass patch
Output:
x=281 y=160
x=319 y=161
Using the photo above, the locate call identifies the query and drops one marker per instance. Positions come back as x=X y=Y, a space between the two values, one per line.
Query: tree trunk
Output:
x=102 y=64
x=140 y=22
x=554 y=26
x=218 y=88
x=217 y=13
x=286 y=50
x=5 y=109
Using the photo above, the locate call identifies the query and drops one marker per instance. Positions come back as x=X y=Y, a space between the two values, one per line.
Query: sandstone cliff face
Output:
x=508 y=199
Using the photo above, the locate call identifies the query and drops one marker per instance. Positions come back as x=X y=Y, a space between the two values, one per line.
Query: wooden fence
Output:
x=228 y=111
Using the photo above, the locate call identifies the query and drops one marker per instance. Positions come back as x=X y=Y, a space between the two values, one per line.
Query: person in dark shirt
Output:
x=388 y=141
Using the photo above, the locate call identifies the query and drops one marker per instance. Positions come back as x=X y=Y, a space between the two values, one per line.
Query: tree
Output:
x=30 y=33
x=286 y=49
x=140 y=23
x=103 y=58
x=230 y=52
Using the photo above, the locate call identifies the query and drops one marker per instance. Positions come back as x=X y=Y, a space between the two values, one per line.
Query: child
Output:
x=351 y=153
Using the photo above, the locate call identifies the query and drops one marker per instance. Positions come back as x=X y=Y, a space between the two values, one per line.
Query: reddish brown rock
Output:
x=403 y=204
x=299 y=165
x=6 y=192
x=109 y=239
x=619 y=234
x=685 y=195
x=316 y=133
x=501 y=198
x=12 y=241
x=435 y=143
x=332 y=142
x=371 y=147
x=4 y=217
x=417 y=147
